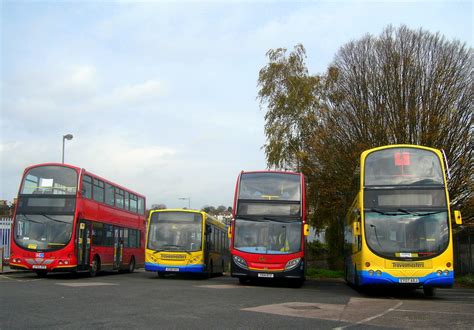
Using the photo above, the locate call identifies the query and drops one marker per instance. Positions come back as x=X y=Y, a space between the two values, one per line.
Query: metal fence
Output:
x=5 y=235
x=464 y=251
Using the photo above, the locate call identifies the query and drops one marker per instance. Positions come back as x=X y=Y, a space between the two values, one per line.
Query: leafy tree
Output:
x=290 y=96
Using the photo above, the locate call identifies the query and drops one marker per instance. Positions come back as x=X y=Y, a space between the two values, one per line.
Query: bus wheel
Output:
x=94 y=267
x=161 y=274
x=131 y=265
x=429 y=291
x=243 y=280
x=210 y=269
x=298 y=283
x=41 y=273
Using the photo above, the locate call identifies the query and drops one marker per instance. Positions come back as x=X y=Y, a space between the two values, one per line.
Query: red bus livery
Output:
x=268 y=228
x=68 y=219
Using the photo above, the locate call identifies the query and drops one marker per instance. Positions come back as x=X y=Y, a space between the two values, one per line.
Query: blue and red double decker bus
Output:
x=268 y=228
x=68 y=219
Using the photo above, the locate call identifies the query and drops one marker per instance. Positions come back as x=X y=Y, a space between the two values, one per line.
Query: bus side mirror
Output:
x=306 y=229
x=356 y=228
x=457 y=217
x=229 y=232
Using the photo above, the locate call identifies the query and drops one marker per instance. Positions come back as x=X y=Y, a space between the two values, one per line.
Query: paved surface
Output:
x=141 y=300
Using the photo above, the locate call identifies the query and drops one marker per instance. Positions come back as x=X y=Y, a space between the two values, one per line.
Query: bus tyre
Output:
x=298 y=283
x=356 y=278
x=41 y=273
x=131 y=265
x=210 y=270
x=429 y=291
x=161 y=274
x=94 y=267
x=243 y=280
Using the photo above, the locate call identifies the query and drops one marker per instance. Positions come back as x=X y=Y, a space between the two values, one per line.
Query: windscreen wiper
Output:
x=279 y=220
x=382 y=212
x=376 y=236
x=29 y=219
x=51 y=218
x=418 y=214
x=251 y=219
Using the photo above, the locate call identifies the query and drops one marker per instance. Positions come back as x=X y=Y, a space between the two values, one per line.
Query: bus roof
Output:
x=271 y=171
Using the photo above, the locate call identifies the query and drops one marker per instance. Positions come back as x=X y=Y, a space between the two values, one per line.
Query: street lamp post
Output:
x=66 y=137
x=188 y=199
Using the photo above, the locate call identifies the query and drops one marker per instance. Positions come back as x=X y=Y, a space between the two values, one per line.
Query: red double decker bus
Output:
x=68 y=219
x=268 y=228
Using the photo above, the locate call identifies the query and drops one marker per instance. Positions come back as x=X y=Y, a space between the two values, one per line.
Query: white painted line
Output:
x=433 y=312
x=221 y=286
x=368 y=319
x=82 y=284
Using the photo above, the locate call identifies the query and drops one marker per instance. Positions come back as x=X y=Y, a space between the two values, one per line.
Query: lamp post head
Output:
x=68 y=136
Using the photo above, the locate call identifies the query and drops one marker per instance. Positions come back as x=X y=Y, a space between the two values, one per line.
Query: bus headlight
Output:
x=240 y=262
x=293 y=263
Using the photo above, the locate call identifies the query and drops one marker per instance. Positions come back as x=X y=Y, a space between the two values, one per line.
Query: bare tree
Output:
x=405 y=86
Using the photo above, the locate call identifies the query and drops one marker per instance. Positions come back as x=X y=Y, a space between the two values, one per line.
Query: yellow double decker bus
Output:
x=398 y=230
x=185 y=241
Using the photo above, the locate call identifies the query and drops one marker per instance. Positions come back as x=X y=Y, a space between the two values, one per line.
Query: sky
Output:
x=161 y=96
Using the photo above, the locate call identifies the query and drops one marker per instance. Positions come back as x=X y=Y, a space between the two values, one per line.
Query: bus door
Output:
x=118 y=247
x=83 y=244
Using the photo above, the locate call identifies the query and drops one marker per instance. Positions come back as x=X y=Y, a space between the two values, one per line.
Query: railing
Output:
x=5 y=235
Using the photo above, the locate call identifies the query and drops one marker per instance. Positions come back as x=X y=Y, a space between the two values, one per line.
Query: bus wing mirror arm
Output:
x=356 y=228
x=458 y=217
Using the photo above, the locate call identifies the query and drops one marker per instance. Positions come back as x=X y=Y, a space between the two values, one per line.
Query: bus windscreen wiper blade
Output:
x=251 y=219
x=418 y=214
x=382 y=212
x=278 y=220
x=53 y=219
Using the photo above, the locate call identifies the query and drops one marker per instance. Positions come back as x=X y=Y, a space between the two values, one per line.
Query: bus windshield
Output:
x=56 y=180
x=403 y=166
x=407 y=234
x=175 y=231
x=42 y=231
x=267 y=236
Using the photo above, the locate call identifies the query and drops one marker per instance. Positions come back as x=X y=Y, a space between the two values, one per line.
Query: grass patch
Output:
x=465 y=280
x=316 y=273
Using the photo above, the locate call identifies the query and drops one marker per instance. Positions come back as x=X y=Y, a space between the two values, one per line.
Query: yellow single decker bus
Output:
x=185 y=241
x=398 y=230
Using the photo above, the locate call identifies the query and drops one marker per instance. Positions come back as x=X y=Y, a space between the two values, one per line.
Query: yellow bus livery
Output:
x=398 y=230
x=185 y=241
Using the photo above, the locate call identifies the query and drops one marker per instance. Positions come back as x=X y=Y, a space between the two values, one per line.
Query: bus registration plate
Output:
x=408 y=280
x=265 y=275
x=39 y=266
x=171 y=269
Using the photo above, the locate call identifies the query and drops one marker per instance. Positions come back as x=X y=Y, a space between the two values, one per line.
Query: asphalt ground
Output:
x=141 y=300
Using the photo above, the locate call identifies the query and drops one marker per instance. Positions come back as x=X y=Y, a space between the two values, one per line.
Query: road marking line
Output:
x=9 y=279
x=433 y=312
x=220 y=286
x=368 y=319
x=82 y=284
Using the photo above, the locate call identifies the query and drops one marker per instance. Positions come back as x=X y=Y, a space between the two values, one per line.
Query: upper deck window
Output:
x=270 y=186
x=55 y=180
x=403 y=166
